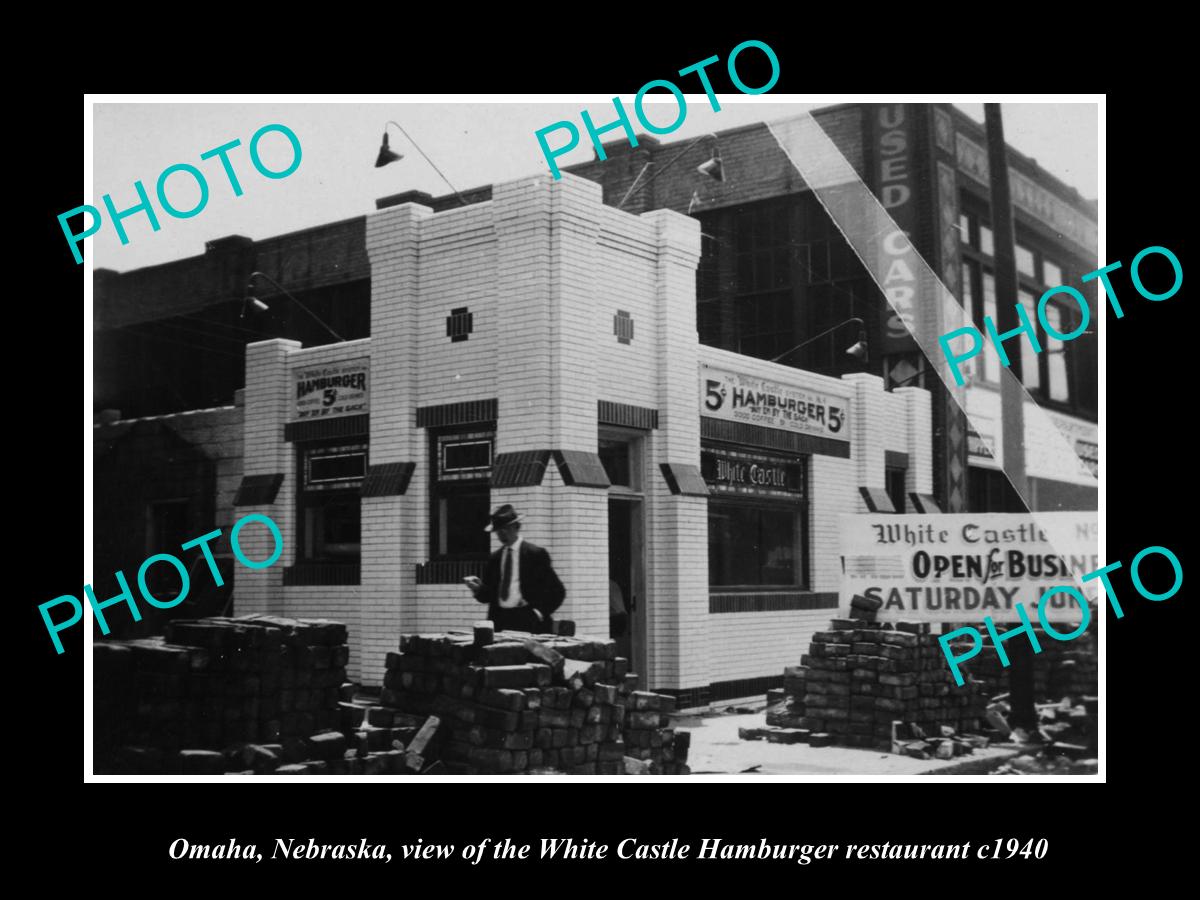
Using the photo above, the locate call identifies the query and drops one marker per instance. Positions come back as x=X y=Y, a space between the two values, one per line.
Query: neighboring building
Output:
x=538 y=347
x=775 y=271
x=161 y=481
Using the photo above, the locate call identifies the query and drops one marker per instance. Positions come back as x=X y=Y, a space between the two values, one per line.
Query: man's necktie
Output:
x=505 y=573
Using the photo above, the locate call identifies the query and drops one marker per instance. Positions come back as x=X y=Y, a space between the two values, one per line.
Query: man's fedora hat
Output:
x=504 y=515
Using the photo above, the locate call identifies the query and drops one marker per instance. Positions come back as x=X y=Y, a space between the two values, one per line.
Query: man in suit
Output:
x=519 y=585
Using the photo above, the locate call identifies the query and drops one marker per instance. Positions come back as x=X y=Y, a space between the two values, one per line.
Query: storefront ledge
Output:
x=306 y=574
x=684 y=479
x=772 y=601
x=622 y=414
x=449 y=571
x=258 y=490
x=468 y=412
x=523 y=468
x=742 y=435
x=388 y=479
x=580 y=468
x=325 y=429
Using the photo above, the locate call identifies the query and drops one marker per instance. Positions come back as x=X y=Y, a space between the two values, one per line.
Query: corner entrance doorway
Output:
x=621 y=454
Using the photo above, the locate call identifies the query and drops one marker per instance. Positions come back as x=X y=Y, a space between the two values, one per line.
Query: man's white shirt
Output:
x=515 y=597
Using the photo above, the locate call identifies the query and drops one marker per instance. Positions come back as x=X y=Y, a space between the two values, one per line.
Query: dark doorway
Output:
x=626 y=617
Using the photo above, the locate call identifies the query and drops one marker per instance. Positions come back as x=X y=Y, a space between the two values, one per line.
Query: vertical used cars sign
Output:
x=759 y=401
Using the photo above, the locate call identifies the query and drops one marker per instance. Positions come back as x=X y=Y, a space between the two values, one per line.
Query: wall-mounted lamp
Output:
x=712 y=167
x=260 y=305
x=387 y=155
x=859 y=349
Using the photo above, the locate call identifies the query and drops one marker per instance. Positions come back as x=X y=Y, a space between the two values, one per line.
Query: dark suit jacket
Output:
x=540 y=585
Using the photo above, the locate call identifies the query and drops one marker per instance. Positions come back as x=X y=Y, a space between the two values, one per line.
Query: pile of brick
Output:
x=192 y=701
x=860 y=678
x=1061 y=669
x=512 y=702
x=380 y=740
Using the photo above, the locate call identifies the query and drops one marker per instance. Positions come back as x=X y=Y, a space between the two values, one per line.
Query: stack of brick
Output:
x=268 y=678
x=1061 y=669
x=380 y=740
x=513 y=702
x=785 y=705
x=213 y=685
x=860 y=677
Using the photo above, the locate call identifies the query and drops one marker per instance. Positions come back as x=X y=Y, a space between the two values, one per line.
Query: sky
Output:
x=473 y=143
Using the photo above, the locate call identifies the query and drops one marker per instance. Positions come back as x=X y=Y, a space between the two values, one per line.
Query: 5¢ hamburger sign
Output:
x=757 y=401
x=334 y=389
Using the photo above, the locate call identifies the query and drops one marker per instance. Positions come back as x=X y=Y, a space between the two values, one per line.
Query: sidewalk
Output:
x=716 y=748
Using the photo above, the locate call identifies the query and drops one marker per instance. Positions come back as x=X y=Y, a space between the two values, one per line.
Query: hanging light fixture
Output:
x=386 y=155
x=713 y=168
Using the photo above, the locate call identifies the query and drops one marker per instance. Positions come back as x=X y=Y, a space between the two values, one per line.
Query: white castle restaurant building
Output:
x=540 y=349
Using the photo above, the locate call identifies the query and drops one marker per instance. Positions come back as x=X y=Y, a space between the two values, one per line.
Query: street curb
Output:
x=979 y=766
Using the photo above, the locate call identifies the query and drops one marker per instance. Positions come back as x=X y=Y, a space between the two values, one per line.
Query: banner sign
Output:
x=956 y=567
x=333 y=389
x=758 y=401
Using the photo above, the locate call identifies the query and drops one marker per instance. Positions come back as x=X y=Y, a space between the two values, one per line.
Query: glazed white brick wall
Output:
x=756 y=644
x=625 y=280
x=458 y=260
x=543 y=267
x=894 y=423
x=919 y=440
x=835 y=493
x=868 y=434
x=267 y=404
x=676 y=606
x=386 y=590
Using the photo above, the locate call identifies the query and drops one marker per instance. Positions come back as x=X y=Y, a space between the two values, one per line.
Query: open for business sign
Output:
x=955 y=567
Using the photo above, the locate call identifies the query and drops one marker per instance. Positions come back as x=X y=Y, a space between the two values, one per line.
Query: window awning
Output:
x=877 y=500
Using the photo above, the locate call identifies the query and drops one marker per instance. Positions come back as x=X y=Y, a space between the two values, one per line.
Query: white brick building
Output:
x=540 y=349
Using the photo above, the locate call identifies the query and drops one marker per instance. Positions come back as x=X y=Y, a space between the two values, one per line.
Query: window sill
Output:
x=742 y=600
x=449 y=571
x=320 y=573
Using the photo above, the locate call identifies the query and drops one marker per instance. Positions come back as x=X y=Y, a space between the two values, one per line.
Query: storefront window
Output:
x=1056 y=353
x=1051 y=274
x=1063 y=373
x=330 y=500
x=461 y=495
x=753 y=545
x=986 y=243
x=1024 y=260
x=1029 y=357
